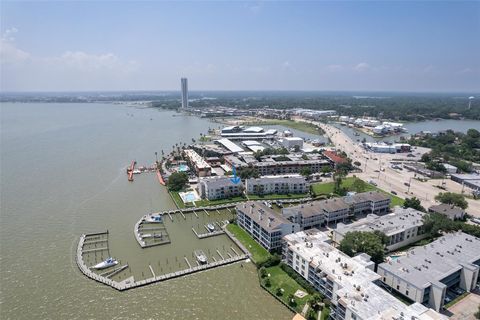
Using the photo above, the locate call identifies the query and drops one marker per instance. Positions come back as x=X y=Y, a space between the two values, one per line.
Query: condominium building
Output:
x=202 y=168
x=350 y=283
x=215 y=188
x=263 y=224
x=184 y=83
x=368 y=202
x=288 y=167
x=436 y=273
x=277 y=184
x=317 y=213
x=402 y=227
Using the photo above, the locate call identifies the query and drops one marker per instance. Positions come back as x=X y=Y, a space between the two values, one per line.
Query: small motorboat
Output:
x=201 y=257
x=158 y=236
x=136 y=171
x=154 y=219
x=210 y=227
x=109 y=262
x=146 y=235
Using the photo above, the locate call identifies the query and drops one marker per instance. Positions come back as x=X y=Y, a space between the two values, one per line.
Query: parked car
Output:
x=393 y=192
x=407 y=184
x=373 y=183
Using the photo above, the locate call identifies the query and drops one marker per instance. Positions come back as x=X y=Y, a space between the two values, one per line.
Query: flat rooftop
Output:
x=433 y=262
x=229 y=145
x=267 y=218
x=356 y=279
x=392 y=223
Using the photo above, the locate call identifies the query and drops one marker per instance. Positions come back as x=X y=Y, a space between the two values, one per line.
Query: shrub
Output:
x=271 y=261
x=295 y=276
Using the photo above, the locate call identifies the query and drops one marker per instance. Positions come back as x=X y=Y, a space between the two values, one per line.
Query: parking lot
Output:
x=465 y=308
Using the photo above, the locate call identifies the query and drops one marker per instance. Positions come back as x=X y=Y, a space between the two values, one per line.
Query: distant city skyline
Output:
x=241 y=46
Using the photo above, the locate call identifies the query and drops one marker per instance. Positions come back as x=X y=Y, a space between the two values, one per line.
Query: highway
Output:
x=376 y=167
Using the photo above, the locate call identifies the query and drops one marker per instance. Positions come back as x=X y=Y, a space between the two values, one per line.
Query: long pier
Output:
x=130 y=282
x=130 y=170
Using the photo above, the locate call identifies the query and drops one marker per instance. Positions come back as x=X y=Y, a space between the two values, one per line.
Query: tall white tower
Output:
x=470 y=102
x=184 y=82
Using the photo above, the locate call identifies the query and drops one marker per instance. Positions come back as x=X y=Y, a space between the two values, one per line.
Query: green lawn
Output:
x=301 y=126
x=280 y=279
x=259 y=253
x=278 y=196
x=327 y=188
x=176 y=198
x=206 y=203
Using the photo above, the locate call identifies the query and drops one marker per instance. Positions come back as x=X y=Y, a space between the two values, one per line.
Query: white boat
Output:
x=136 y=171
x=146 y=235
x=210 y=227
x=154 y=219
x=109 y=262
x=201 y=257
x=158 y=236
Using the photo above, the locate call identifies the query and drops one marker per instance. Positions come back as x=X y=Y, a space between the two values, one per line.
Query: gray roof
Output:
x=374 y=196
x=263 y=215
x=401 y=219
x=447 y=209
x=317 y=207
x=433 y=262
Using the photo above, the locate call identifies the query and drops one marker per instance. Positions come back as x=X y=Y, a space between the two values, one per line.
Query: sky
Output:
x=431 y=46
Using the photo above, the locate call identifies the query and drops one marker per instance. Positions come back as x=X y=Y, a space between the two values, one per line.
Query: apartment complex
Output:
x=277 y=184
x=202 y=168
x=368 y=202
x=350 y=283
x=184 y=85
x=435 y=273
x=317 y=213
x=263 y=224
x=288 y=167
x=402 y=227
x=215 y=188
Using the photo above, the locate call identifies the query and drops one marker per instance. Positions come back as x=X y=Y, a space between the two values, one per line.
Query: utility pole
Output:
x=409 y=184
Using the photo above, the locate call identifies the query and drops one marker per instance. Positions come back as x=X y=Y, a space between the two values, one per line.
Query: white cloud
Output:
x=71 y=70
x=362 y=66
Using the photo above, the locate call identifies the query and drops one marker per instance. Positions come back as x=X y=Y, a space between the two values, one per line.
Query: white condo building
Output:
x=350 y=283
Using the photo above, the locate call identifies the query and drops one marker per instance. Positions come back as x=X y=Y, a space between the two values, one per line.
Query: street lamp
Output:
x=156 y=157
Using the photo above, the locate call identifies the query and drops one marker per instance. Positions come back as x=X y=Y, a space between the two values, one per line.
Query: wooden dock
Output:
x=130 y=282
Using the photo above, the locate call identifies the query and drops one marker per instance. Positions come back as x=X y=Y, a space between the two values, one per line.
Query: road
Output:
x=389 y=179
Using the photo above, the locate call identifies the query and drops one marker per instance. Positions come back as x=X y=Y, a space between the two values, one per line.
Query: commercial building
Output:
x=435 y=273
x=242 y=133
x=451 y=211
x=289 y=167
x=277 y=184
x=263 y=224
x=215 y=188
x=229 y=145
x=349 y=283
x=333 y=158
x=184 y=84
x=317 y=213
x=450 y=169
x=202 y=168
x=469 y=180
x=292 y=142
x=402 y=227
x=388 y=148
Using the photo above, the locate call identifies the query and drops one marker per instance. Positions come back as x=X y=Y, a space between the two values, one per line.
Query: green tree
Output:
x=305 y=171
x=315 y=301
x=177 y=181
x=452 y=198
x=357 y=163
x=414 y=203
x=326 y=169
x=263 y=272
x=337 y=183
x=367 y=242
x=268 y=283
x=279 y=292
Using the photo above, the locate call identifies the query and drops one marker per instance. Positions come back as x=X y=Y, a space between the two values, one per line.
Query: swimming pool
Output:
x=189 y=196
x=183 y=168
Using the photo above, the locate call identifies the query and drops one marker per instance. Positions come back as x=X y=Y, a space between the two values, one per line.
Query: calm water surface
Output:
x=63 y=174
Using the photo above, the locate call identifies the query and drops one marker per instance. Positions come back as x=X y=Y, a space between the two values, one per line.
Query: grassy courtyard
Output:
x=279 y=279
x=347 y=183
x=259 y=253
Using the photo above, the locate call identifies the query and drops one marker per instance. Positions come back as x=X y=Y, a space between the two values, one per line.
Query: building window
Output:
x=398 y=287
x=406 y=293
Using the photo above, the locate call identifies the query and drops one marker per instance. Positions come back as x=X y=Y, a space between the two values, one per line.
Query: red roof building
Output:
x=334 y=158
